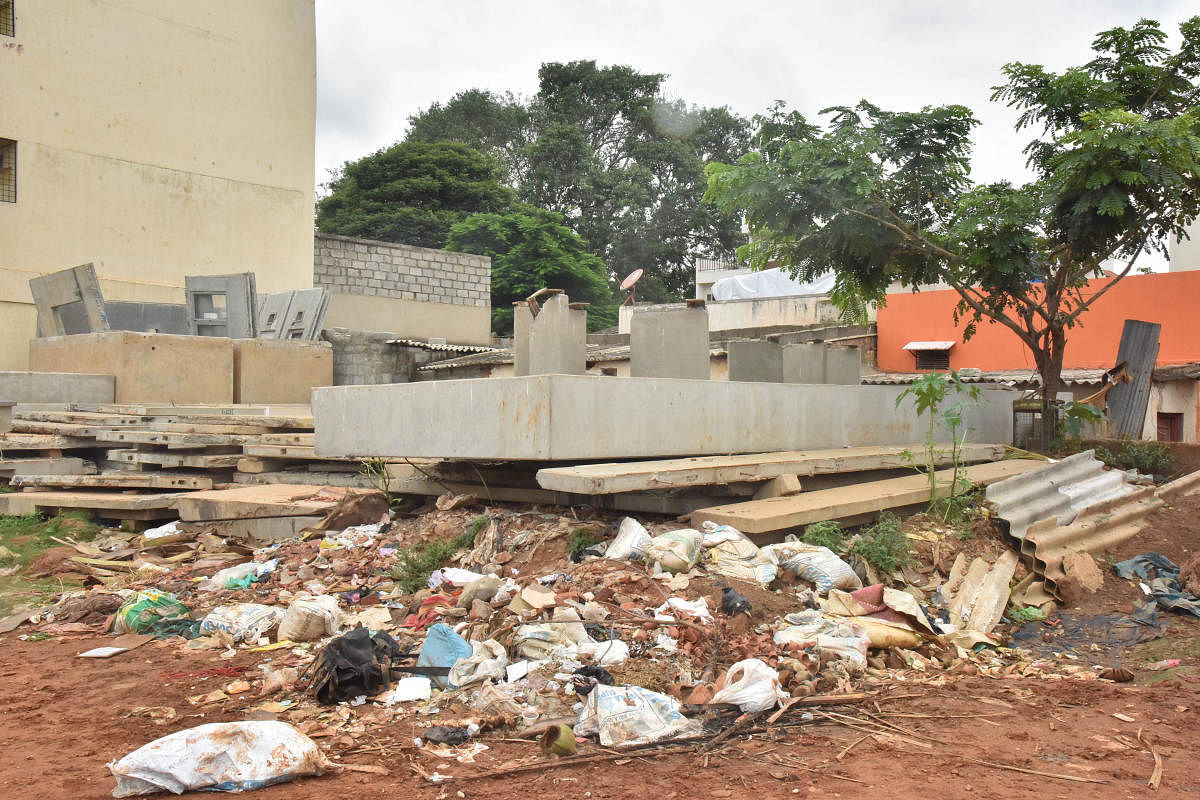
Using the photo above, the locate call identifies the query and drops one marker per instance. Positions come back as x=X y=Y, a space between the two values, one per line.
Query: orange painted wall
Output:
x=1171 y=299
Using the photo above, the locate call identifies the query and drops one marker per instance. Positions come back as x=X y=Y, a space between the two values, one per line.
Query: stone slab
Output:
x=279 y=370
x=56 y=387
x=582 y=417
x=149 y=367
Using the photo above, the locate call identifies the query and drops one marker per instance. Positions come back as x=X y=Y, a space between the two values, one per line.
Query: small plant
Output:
x=581 y=539
x=826 y=533
x=1069 y=423
x=376 y=472
x=929 y=394
x=1148 y=458
x=412 y=568
x=883 y=545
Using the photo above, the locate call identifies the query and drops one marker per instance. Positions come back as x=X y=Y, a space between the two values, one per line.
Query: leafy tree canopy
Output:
x=412 y=193
x=622 y=165
x=883 y=196
x=530 y=249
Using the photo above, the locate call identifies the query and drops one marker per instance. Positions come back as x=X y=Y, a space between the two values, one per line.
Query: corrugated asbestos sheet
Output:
x=1127 y=401
x=1072 y=505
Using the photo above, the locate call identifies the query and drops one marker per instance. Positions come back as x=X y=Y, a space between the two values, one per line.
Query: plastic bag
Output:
x=820 y=565
x=604 y=654
x=630 y=543
x=626 y=715
x=752 y=686
x=139 y=613
x=715 y=534
x=238 y=577
x=442 y=648
x=309 y=618
x=675 y=551
x=735 y=556
x=245 y=622
x=226 y=756
x=833 y=638
x=486 y=662
x=693 y=608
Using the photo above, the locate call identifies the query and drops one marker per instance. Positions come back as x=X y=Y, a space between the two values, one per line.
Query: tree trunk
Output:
x=1049 y=365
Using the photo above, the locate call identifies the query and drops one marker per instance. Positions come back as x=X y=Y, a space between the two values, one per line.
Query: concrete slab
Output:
x=581 y=417
x=670 y=343
x=558 y=339
x=149 y=367
x=57 y=387
x=279 y=370
x=755 y=361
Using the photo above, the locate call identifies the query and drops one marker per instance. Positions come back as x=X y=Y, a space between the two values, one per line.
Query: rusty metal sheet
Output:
x=1127 y=401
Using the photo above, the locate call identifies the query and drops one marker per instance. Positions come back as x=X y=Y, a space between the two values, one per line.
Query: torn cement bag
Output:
x=604 y=654
x=630 y=543
x=487 y=662
x=833 y=637
x=245 y=622
x=309 y=618
x=225 y=756
x=139 y=613
x=820 y=565
x=735 y=556
x=627 y=715
x=751 y=685
x=537 y=640
x=675 y=551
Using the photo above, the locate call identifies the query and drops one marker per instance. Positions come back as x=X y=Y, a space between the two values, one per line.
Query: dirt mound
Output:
x=55 y=561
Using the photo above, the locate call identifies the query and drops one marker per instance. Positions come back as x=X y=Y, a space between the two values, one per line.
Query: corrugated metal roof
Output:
x=929 y=345
x=443 y=347
x=1022 y=378
x=595 y=354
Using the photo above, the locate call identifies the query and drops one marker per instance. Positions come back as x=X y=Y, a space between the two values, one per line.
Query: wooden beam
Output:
x=634 y=476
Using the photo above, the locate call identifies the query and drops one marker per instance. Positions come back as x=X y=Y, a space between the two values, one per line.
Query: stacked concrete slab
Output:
x=561 y=417
x=669 y=343
x=56 y=387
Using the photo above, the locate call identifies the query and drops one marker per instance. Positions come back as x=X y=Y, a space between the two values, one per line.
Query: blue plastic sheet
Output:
x=1162 y=576
x=443 y=648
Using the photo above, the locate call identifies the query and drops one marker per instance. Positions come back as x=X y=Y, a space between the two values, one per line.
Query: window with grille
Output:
x=7 y=18
x=8 y=171
x=932 y=359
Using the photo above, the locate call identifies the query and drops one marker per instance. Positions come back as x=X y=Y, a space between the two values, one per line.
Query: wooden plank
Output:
x=117 y=480
x=613 y=478
x=781 y=513
x=245 y=502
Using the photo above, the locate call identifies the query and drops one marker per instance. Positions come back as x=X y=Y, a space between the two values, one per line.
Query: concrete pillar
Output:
x=756 y=361
x=843 y=365
x=803 y=362
x=669 y=343
x=522 y=319
x=558 y=339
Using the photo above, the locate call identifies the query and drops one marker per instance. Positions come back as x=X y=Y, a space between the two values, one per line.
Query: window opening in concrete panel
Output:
x=8 y=171
x=8 y=18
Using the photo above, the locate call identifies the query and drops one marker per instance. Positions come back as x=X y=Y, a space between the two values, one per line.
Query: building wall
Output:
x=156 y=139
x=413 y=291
x=1173 y=397
x=1185 y=254
x=1162 y=297
x=733 y=315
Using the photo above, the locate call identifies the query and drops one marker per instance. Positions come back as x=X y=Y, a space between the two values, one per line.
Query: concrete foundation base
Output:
x=579 y=417
x=56 y=387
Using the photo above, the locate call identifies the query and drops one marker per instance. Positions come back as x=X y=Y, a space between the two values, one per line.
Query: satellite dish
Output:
x=630 y=283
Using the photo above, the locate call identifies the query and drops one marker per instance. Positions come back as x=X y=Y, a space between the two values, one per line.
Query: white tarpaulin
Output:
x=769 y=283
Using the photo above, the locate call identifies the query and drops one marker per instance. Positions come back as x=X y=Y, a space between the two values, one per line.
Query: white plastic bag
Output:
x=733 y=555
x=309 y=618
x=630 y=543
x=237 y=577
x=487 y=662
x=752 y=686
x=245 y=622
x=820 y=565
x=227 y=756
x=675 y=551
x=693 y=608
x=604 y=654
x=626 y=715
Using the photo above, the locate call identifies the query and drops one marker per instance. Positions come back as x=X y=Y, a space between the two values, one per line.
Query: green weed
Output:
x=883 y=545
x=826 y=533
x=412 y=568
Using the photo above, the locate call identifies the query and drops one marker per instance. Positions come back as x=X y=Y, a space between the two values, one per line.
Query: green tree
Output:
x=881 y=196
x=412 y=193
x=623 y=165
x=530 y=249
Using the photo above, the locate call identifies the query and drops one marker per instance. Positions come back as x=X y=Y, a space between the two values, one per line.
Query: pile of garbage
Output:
x=541 y=625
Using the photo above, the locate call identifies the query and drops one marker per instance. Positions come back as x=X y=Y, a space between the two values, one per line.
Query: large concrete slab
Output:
x=581 y=417
x=57 y=387
x=279 y=370
x=670 y=343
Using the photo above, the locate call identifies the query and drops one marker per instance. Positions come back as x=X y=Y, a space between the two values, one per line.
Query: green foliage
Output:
x=826 y=533
x=883 y=545
x=1148 y=458
x=375 y=470
x=412 y=193
x=23 y=538
x=882 y=196
x=623 y=165
x=412 y=567
x=531 y=249
x=581 y=539
x=1070 y=420
x=1026 y=614
x=929 y=394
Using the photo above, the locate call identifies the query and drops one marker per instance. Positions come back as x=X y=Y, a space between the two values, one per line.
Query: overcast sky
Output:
x=380 y=61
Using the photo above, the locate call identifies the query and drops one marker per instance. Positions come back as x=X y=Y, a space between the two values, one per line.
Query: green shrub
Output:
x=1148 y=458
x=826 y=533
x=412 y=567
x=883 y=545
x=581 y=539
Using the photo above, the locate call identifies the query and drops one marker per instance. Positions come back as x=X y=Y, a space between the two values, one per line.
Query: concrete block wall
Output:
x=365 y=357
x=363 y=266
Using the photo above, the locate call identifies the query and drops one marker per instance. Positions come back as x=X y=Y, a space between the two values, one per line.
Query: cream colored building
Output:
x=155 y=139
